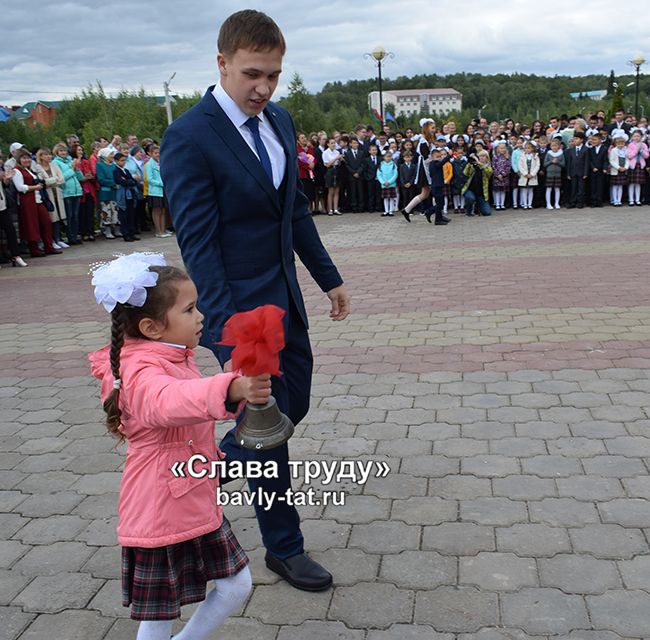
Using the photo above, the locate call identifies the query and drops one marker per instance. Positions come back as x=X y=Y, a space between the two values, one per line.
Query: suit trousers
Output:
x=576 y=191
x=355 y=189
x=374 y=195
x=596 y=189
x=280 y=525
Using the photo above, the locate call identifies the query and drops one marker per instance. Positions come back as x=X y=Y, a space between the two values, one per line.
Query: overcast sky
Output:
x=56 y=48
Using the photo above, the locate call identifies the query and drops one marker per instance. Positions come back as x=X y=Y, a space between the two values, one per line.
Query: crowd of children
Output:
x=51 y=199
x=571 y=162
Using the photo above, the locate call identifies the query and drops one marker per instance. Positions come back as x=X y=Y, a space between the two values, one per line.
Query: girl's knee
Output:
x=239 y=586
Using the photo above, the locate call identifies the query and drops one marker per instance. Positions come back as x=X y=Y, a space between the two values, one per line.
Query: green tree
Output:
x=617 y=102
x=611 y=81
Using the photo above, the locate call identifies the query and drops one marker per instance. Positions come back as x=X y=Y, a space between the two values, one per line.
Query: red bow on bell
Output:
x=258 y=338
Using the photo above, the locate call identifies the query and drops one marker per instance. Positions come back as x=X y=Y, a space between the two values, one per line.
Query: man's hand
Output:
x=340 y=302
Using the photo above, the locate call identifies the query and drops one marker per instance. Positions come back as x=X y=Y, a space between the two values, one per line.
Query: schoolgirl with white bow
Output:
x=173 y=534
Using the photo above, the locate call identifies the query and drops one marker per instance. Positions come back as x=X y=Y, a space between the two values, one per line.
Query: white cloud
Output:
x=63 y=46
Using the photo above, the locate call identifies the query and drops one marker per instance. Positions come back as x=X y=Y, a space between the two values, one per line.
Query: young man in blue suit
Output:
x=229 y=166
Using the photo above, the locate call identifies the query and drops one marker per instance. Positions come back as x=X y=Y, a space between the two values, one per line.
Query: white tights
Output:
x=499 y=198
x=459 y=202
x=616 y=193
x=549 y=190
x=390 y=204
x=228 y=595
x=634 y=193
x=526 y=197
x=515 y=197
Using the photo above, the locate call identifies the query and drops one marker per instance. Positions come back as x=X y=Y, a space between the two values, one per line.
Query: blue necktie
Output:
x=253 y=124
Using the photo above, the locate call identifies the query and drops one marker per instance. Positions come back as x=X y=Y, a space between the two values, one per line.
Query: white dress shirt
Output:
x=21 y=187
x=273 y=145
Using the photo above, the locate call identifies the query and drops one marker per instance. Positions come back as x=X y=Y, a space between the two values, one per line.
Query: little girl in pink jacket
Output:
x=174 y=537
x=637 y=152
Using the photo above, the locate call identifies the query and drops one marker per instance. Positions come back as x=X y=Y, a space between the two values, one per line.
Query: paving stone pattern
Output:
x=500 y=366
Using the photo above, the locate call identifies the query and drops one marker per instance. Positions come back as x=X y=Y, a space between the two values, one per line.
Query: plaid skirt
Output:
x=157 y=582
x=637 y=175
x=446 y=190
x=618 y=179
x=554 y=182
x=391 y=192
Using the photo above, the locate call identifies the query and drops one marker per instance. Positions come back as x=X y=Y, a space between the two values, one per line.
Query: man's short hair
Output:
x=250 y=29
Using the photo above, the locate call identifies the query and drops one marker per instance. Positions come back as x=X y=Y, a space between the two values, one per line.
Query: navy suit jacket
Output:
x=236 y=232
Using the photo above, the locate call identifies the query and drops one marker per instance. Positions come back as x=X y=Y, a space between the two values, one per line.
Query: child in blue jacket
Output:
x=387 y=177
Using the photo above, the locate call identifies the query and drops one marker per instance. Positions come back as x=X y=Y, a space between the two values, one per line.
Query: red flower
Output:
x=258 y=338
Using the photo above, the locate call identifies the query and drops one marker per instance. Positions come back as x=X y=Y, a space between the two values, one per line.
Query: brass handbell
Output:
x=263 y=426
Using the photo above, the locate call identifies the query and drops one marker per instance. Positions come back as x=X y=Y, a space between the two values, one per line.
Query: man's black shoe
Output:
x=427 y=215
x=441 y=222
x=446 y=219
x=301 y=572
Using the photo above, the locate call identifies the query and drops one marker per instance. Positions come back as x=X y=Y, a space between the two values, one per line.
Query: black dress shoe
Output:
x=441 y=222
x=427 y=215
x=446 y=219
x=301 y=572
x=406 y=214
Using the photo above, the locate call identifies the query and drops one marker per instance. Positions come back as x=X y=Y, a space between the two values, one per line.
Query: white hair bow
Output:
x=124 y=280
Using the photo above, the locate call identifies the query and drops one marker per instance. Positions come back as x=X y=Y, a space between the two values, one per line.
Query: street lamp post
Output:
x=379 y=54
x=636 y=63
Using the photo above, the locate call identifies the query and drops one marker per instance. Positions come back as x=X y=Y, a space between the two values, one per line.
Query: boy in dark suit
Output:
x=577 y=165
x=438 y=159
x=407 y=174
x=598 y=166
x=370 y=165
x=354 y=161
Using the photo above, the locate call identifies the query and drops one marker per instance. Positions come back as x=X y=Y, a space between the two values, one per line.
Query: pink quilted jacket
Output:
x=168 y=414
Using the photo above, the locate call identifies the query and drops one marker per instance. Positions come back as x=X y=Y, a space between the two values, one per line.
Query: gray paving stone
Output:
x=95 y=463
x=10 y=551
x=629 y=512
x=48 y=482
x=104 y=563
x=520 y=487
x=408 y=416
x=614 y=466
x=568 y=414
x=98 y=483
x=459 y=487
x=578 y=375
x=508 y=388
x=536 y=400
x=325 y=534
x=440 y=376
x=589 y=635
x=598 y=429
x=499 y=633
x=397 y=486
x=456 y=609
x=462 y=388
x=429 y=466
x=348 y=566
x=382 y=431
x=624 y=612
x=563 y=512
x=590 y=488
x=320 y=630
x=461 y=415
x=609 y=541
x=636 y=572
x=384 y=537
x=513 y=414
x=488 y=377
x=518 y=447
x=359 y=509
x=497 y=571
x=241 y=629
x=551 y=466
x=529 y=375
x=282 y=604
x=457 y=447
x=631 y=398
x=493 y=511
x=533 y=540
x=99 y=532
x=342 y=402
x=579 y=574
x=618 y=412
x=437 y=401
x=556 y=386
x=11 y=584
x=51 y=529
x=438 y=431
x=418 y=569
x=369 y=604
x=637 y=428
x=544 y=611
x=41 y=445
x=365 y=390
x=458 y=538
x=542 y=429
x=490 y=466
x=10 y=523
x=576 y=447
x=585 y=399
x=405 y=447
x=53 y=594
x=408 y=632
x=13 y=621
x=633 y=446
x=637 y=487
x=97 y=506
x=425 y=510
x=486 y=400
x=71 y=625
x=108 y=600
x=488 y=430
x=52 y=559
x=9 y=500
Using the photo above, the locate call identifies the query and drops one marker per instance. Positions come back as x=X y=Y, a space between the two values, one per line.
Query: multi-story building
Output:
x=413 y=101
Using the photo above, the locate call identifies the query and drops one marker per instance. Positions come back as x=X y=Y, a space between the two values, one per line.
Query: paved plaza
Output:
x=500 y=366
